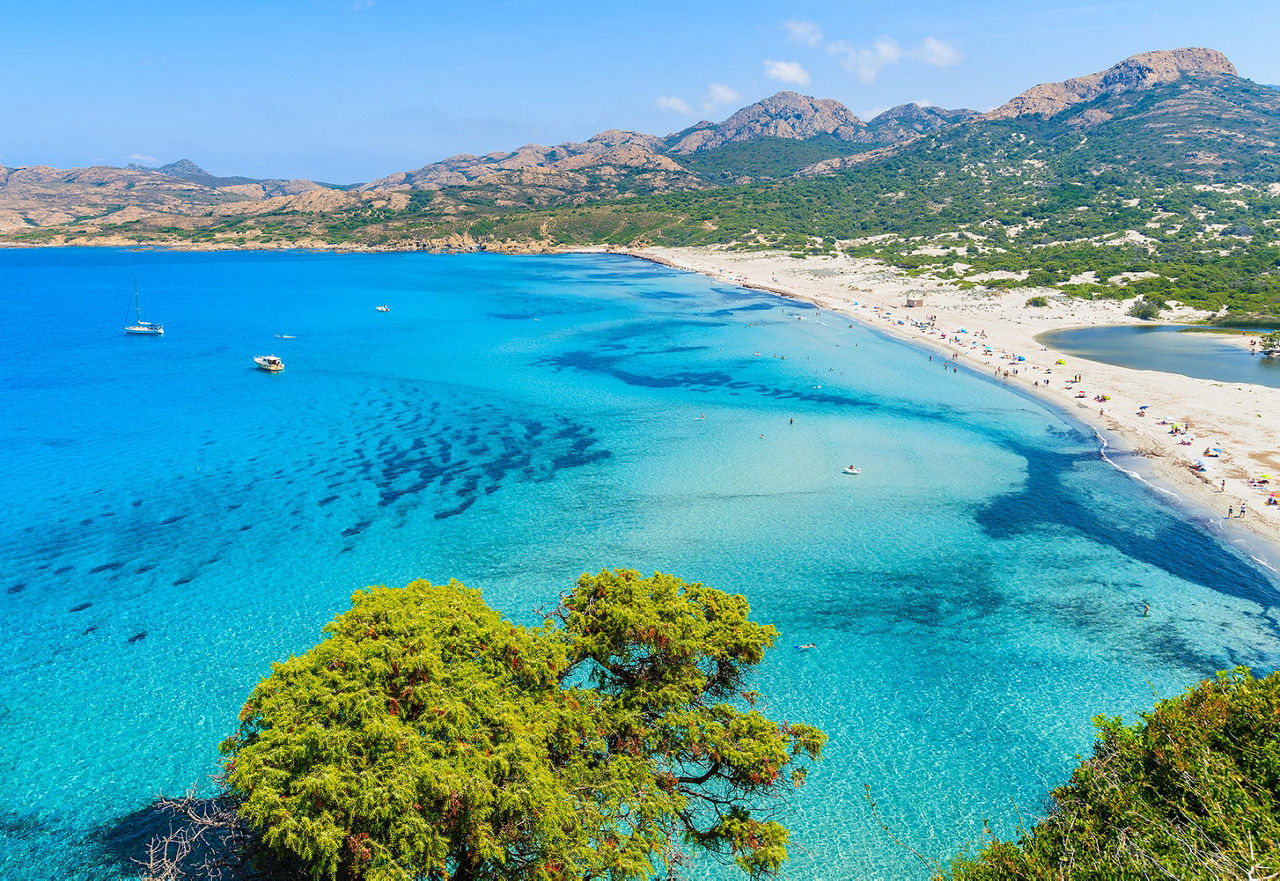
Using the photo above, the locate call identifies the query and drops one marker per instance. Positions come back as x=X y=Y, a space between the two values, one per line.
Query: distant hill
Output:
x=769 y=139
x=1166 y=165
x=1137 y=73
x=786 y=115
x=1177 y=115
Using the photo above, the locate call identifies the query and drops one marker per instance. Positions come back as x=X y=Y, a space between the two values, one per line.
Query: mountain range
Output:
x=1184 y=113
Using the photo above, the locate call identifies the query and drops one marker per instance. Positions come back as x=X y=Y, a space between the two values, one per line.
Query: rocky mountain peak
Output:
x=182 y=167
x=905 y=120
x=1137 y=72
x=784 y=115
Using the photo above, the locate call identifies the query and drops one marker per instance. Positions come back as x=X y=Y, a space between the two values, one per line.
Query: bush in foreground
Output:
x=427 y=737
x=1191 y=791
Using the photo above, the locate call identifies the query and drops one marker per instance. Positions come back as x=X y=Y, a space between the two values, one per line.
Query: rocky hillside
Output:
x=1140 y=72
x=179 y=196
x=769 y=139
x=1183 y=115
x=766 y=140
x=784 y=115
x=609 y=164
x=1178 y=118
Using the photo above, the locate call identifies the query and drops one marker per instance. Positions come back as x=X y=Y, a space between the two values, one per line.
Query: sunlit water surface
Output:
x=175 y=520
x=1172 y=349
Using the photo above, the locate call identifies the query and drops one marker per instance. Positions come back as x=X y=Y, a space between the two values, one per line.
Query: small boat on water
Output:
x=285 y=336
x=140 y=327
x=269 y=363
x=383 y=308
x=851 y=470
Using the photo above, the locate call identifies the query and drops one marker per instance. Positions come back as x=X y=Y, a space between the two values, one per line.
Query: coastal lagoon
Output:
x=1190 y=351
x=176 y=520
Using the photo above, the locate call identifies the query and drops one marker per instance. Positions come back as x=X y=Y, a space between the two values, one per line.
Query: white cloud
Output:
x=787 y=72
x=718 y=95
x=138 y=157
x=676 y=105
x=866 y=63
x=937 y=53
x=805 y=32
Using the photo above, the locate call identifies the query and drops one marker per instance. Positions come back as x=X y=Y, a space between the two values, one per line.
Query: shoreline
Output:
x=986 y=331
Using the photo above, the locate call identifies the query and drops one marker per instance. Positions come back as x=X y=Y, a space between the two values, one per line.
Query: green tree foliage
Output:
x=1271 y=343
x=1146 y=308
x=1191 y=791
x=427 y=737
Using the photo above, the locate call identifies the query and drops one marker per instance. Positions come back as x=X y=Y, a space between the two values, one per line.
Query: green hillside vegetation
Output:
x=765 y=158
x=1192 y=791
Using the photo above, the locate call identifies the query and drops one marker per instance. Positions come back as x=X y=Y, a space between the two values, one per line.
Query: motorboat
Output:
x=383 y=308
x=140 y=327
x=269 y=363
x=851 y=470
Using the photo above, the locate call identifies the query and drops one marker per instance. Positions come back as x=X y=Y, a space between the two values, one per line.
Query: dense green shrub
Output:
x=1191 y=791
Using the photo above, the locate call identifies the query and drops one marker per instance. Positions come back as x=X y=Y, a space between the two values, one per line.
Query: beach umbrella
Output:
x=1145 y=407
x=1265 y=477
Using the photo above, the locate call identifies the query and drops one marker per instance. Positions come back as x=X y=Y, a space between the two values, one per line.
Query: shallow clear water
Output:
x=975 y=594
x=1168 y=348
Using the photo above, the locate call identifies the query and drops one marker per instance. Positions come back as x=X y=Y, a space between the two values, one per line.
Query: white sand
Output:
x=1243 y=420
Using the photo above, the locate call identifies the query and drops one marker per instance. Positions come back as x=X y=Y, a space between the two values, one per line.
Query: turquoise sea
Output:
x=175 y=520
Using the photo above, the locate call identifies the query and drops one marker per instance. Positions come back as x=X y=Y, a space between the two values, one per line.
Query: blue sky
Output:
x=349 y=90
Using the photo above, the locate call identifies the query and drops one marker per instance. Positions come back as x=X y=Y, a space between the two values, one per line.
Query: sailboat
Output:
x=147 y=328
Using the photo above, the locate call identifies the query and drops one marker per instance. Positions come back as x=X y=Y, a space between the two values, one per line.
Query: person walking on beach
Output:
x=1231 y=511
x=1241 y=514
x=1223 y=488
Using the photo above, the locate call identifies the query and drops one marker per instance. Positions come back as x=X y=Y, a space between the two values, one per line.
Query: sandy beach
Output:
x=1241 y=420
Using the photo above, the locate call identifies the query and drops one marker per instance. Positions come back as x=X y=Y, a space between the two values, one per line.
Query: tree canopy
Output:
x=428 y=737
x=1191 y=791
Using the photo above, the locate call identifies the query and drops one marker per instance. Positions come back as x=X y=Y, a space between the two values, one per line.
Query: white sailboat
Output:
x=145 y=328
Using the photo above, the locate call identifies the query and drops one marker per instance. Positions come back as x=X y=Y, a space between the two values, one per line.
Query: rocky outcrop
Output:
x=908 y=121
x=784 y=115
x=609 y=154
x=1139 y=72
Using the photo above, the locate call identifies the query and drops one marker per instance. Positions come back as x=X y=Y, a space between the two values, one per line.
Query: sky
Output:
x=350 y=90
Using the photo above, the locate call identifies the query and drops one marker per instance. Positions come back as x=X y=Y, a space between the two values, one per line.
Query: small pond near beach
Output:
x=1195 y=352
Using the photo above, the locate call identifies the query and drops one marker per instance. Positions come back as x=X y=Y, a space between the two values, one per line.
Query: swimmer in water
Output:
x=806 y=646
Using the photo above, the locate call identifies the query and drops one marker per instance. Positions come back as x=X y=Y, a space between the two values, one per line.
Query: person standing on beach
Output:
x=1231 y=511
x=1241 y=514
